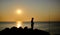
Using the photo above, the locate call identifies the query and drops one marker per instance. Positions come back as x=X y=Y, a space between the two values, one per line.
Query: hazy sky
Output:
x=41 y=10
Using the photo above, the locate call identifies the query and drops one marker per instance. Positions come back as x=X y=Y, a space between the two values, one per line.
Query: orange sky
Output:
x=39 y=9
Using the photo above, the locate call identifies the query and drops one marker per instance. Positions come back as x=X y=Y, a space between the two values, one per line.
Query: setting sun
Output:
x=19 y=11
x=19 y=24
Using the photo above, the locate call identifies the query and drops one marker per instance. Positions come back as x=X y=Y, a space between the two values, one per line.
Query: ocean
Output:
x=52 y=27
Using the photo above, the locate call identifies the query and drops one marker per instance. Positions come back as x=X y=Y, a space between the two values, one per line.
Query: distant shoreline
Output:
x=37 y=21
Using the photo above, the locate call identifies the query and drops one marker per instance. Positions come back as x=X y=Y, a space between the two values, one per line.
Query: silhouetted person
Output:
x=32 y=23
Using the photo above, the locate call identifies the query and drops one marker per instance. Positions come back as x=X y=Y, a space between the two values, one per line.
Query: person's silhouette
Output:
x=32 y=23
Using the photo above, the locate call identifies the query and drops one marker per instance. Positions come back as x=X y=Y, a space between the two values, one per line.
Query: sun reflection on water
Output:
x=19 y=24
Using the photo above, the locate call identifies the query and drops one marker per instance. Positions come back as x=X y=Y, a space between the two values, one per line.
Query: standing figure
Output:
x=32 y=23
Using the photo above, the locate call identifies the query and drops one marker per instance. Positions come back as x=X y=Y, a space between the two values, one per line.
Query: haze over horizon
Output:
x=41 y=10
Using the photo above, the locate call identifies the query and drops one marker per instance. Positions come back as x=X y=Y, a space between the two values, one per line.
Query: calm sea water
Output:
x=53 y=28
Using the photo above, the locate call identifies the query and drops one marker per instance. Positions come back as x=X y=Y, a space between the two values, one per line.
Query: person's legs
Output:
x=32 y=25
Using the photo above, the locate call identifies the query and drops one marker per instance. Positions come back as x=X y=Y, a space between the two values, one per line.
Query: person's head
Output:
x=32 y=18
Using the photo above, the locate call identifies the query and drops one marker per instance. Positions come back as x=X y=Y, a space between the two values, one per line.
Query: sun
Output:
x=19 y=11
